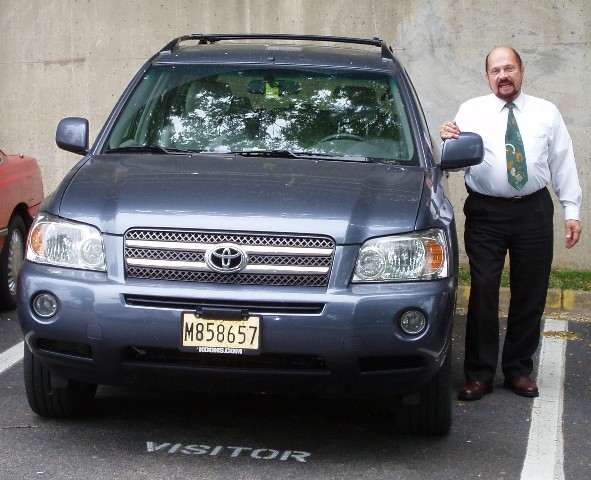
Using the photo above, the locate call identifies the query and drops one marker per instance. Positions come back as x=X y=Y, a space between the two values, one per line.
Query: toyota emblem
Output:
x=226 y=258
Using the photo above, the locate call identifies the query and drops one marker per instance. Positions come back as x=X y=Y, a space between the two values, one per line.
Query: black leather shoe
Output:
x=474 y=390
x=523 y=386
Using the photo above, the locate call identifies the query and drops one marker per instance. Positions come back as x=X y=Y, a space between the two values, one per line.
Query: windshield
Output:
x=208 y=108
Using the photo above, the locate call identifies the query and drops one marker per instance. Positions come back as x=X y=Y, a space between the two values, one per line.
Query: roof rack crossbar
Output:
x=204 y=39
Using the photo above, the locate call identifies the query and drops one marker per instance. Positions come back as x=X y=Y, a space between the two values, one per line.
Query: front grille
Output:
x=275 y=260
x=164 y=255
x=268 y=361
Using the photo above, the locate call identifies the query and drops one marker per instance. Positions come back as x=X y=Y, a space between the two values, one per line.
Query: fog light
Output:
x=45 y=305
x=413 y=322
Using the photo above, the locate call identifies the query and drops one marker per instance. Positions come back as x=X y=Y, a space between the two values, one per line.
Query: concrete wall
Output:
x=74 y=57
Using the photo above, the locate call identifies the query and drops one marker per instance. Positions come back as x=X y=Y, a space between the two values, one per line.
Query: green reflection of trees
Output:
x=211 y=114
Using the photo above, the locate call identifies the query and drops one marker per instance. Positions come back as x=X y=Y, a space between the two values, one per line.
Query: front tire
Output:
x=11 y=261
x=433 y=415
x=68 y=402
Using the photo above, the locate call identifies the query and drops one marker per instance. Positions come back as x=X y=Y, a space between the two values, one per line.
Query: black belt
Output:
x=520 y=198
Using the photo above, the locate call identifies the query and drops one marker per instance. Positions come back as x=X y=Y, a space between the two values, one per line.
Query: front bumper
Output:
x=317 y=341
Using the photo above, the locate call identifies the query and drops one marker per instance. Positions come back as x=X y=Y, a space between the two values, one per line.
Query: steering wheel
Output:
x=342 y=136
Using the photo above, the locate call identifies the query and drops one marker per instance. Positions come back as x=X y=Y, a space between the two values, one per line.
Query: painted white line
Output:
x=544 y=459
x=10 y=357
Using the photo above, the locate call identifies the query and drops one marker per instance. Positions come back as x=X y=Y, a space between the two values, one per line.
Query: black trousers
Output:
x=524 y=229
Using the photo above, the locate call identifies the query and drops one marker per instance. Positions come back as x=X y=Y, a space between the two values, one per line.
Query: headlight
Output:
x=55 y=241
x=416 y=256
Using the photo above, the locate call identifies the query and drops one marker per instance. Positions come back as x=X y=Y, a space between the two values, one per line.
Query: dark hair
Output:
x=510 y=48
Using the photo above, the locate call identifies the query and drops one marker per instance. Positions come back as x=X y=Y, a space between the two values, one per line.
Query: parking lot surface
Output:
x=139 y=434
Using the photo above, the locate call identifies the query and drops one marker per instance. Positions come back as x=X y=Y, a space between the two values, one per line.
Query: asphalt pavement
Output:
x=140 y=434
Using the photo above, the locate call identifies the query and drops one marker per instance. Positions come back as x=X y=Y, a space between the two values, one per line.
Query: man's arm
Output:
x=565 y=179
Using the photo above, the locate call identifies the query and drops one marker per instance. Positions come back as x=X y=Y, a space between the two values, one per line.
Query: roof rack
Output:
x=204 y=39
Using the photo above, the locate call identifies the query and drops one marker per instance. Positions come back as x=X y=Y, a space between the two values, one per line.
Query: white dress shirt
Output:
x=548 y=149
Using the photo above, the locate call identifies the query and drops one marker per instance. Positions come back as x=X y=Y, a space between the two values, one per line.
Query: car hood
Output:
x=349 y=201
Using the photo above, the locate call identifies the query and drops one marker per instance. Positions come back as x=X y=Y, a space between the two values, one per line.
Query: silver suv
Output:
x=261 y=214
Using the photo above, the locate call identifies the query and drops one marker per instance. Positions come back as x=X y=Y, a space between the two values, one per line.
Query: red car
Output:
x=21 y=192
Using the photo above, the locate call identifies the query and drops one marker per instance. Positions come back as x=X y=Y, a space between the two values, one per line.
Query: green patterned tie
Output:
x=516 y=166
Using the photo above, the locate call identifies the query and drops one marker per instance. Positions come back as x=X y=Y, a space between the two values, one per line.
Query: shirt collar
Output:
x=519 y=102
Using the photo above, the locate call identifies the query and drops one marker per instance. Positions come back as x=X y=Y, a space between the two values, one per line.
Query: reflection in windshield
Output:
x=198 y=109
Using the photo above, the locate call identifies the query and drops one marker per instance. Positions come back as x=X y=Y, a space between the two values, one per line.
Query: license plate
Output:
x=220 y=335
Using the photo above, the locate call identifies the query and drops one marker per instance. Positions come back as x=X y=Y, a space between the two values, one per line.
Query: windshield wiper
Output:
x=298 y=155
x=267 y=153
x=150 y=149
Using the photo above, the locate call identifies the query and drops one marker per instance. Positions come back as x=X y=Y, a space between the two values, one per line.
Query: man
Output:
x=509 y=209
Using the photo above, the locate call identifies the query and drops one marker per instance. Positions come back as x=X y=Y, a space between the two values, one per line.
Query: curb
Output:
x=574 y=301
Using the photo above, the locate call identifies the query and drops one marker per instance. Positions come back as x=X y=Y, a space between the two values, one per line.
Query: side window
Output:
x=130 y=124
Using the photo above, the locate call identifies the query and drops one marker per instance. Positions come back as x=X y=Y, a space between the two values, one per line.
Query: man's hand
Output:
x=449 y=129
x=573 y=232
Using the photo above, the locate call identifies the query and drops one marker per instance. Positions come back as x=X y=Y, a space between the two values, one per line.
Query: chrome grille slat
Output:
x=293 y=260
x=254 y=249
x=272 y=259
x=201 y=267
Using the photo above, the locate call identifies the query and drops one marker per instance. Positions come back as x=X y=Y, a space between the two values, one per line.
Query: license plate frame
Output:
x=220 y=335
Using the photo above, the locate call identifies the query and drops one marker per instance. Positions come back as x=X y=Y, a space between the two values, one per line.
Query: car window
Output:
x=229 y=109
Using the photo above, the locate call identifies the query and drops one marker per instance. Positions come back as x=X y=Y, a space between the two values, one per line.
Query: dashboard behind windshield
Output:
x=221 y=108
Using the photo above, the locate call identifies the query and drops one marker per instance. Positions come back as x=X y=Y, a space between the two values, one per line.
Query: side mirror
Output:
x=72 y=135
x=466 y=151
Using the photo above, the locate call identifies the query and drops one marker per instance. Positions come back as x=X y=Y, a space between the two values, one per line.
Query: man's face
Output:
x=504 y=74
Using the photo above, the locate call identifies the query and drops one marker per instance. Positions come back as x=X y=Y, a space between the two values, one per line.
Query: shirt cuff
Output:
x=571 y=213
